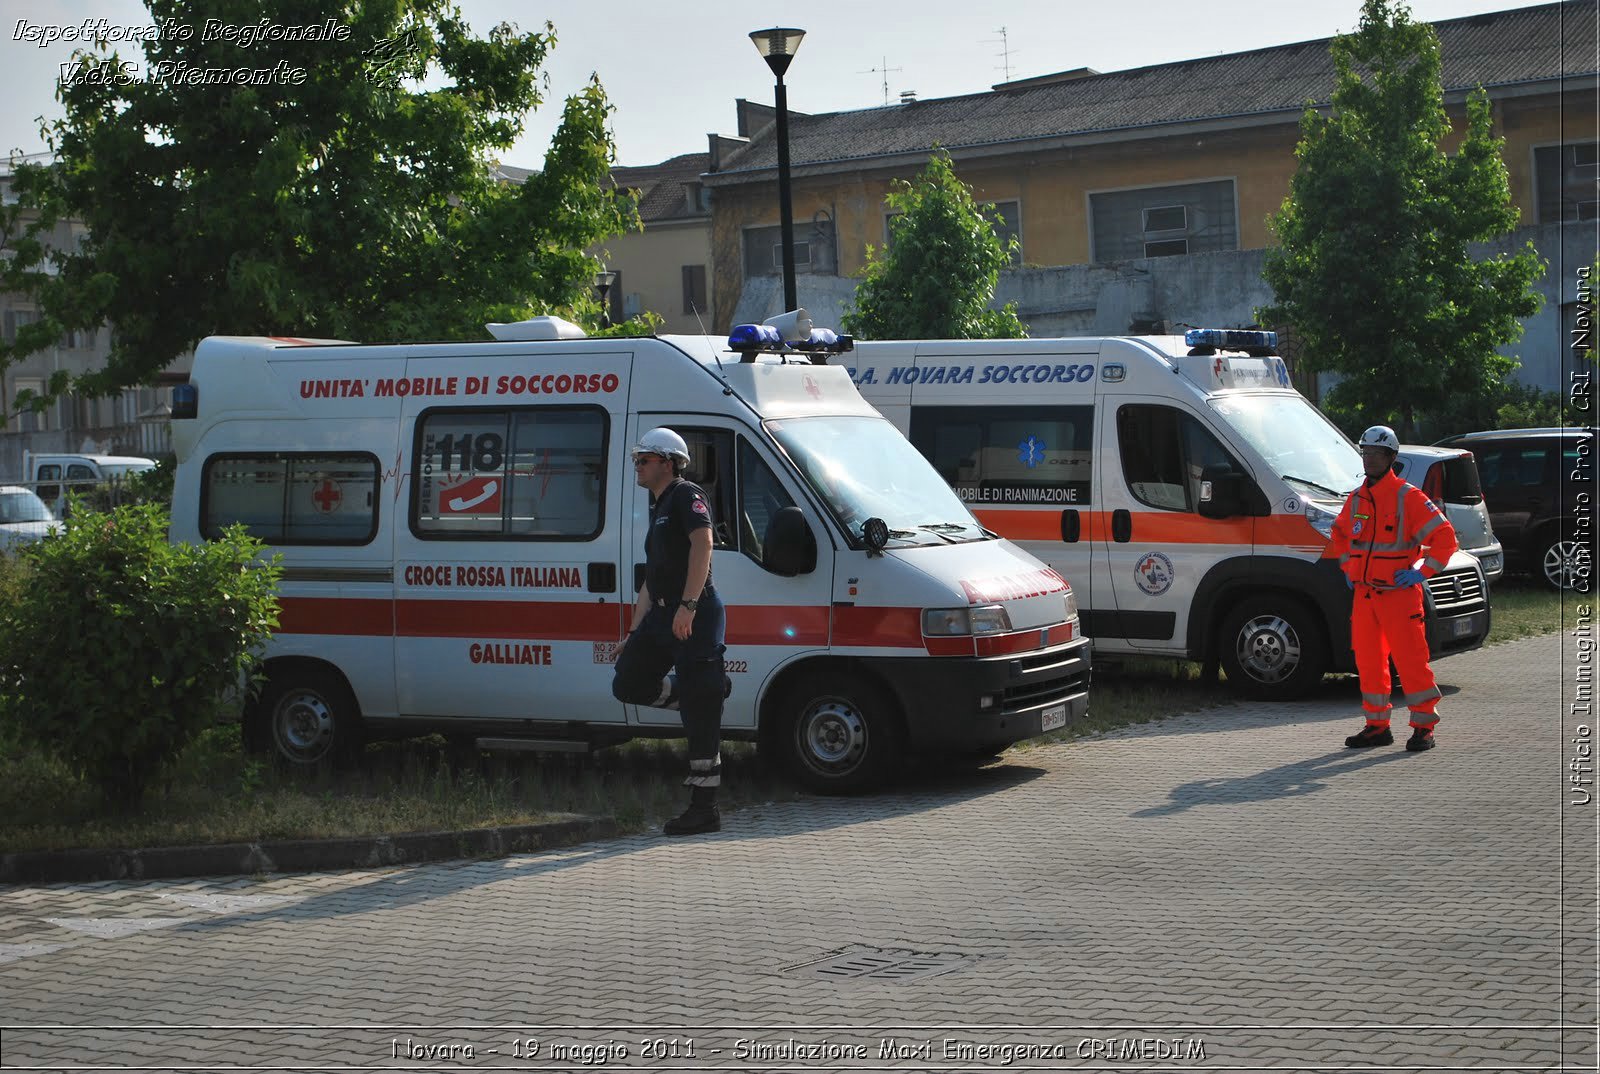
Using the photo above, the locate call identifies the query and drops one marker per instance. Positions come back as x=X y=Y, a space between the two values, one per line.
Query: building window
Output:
x=298 y=498
x=1165 y=221
x=1567 y=182
x=813 y=249
x=694 y=289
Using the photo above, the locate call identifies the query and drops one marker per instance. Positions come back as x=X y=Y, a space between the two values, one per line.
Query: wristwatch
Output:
x=690 y=604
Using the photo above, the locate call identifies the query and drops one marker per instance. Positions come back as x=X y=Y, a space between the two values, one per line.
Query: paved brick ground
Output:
x=1233 y=878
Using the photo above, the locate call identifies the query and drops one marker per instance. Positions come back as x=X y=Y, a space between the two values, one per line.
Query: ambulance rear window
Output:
x=291 y=498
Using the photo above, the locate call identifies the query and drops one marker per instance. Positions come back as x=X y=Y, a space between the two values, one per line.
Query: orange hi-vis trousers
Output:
x=1385 y=623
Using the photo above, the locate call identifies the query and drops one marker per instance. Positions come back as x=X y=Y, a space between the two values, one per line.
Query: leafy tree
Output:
x=332 y=195
x=938 y=275
x=117 y=648
x=1373 y=272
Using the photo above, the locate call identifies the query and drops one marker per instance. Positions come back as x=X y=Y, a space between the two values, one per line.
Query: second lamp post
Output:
x=777 y=46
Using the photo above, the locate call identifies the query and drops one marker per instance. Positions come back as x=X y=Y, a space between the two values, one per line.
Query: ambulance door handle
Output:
x=1121 y=526
x=1071 y=525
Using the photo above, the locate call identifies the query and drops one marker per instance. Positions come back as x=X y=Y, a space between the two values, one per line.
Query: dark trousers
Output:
x=696 y=687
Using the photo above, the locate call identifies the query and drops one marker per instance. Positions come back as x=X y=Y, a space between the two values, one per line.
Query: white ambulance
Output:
x=1180 y=482
x=462 y=543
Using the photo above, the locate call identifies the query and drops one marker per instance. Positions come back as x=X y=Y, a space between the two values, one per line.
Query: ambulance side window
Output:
x=287 y=498
x=711 y=467
x=523 y=473
x=1017 y=454
x=1164 y=452
x=761 y=496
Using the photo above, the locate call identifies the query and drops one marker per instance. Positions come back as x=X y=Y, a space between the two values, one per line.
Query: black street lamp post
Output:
x=777 y=46
x=602 y=285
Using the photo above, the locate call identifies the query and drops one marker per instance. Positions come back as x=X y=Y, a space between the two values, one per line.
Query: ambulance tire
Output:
x=840 y=733
x=306 y=717
x=1272 y=647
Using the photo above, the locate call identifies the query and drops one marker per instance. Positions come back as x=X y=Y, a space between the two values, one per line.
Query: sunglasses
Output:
x=640 y=460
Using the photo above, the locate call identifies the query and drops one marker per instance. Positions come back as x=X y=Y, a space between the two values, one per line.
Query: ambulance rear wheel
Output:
x=841 y=734
x=306 y=716
x=1272 y=648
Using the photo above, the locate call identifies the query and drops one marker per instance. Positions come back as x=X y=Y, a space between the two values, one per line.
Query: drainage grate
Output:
x=884 y=965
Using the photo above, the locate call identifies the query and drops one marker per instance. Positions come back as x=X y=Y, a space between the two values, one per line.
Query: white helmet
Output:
x=663 y=441
x=1381 y=436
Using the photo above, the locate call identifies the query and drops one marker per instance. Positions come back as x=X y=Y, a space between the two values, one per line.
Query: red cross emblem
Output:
x=327 y=497
x=1216 y=367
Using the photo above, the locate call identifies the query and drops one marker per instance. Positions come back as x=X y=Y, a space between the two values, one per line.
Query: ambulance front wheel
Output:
x=306 y=716
x=1272 y=648
x=841 y=733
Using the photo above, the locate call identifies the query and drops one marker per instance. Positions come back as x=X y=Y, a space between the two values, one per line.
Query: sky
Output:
x=673 y=71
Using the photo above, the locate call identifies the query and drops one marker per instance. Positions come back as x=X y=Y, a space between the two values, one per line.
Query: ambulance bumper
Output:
x=962 y=703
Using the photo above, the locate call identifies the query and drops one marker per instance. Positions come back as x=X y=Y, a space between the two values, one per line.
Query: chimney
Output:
x=908 y=96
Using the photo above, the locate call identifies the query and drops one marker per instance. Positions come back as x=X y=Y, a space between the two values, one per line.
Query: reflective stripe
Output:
x=1435 y=564
x=1344 y=557
x=1429 y=526
x=1377 y=701
x=1411 y=701
x=704 y=772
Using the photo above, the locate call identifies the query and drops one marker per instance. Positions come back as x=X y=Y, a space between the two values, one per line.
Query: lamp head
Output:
x=777 y=46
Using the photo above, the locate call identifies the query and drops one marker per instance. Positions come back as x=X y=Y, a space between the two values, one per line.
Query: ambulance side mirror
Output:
x=790 y=547
x=1221 y=492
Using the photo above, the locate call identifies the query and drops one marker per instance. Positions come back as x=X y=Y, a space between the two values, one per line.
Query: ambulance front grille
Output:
x=1456 y=592
x=1035 y=696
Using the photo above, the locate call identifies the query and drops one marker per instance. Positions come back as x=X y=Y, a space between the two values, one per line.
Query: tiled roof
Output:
x=662 y=196
x=1496 y=49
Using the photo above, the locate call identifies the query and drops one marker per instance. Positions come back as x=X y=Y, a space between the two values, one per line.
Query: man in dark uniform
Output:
x=678 y=623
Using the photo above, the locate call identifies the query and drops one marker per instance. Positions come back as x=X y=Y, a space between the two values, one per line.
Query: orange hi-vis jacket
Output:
x=1384 y=527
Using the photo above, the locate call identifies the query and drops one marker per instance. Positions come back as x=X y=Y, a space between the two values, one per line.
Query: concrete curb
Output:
x=297 y=855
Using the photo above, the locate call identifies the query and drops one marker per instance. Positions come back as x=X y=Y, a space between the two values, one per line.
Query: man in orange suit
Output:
x=1385 y=528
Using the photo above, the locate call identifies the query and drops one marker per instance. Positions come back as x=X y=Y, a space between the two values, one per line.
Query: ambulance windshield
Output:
x=1300 y=445
x=862 y=468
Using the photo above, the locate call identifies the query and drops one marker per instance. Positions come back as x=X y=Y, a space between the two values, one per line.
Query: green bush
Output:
x=118 y=647
x=146 y=486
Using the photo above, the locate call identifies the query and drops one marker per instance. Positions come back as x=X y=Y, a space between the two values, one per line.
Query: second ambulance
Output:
x=1180 y=482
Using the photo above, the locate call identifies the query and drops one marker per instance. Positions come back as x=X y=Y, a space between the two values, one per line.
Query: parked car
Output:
x=1450 y=478
x=1532 y=480
x=23 y=517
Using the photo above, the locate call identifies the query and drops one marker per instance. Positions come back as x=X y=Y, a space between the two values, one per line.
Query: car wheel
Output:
x=1559 y=563
x=1272 y=648
x=841 y=734
x=305 y=717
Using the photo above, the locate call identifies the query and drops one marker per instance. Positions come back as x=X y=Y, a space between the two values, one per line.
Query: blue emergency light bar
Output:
x=1209 y=340
x=750 y=340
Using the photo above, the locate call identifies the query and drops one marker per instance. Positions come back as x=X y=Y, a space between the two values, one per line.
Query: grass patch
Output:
x=1523 y=608
x=214 y=794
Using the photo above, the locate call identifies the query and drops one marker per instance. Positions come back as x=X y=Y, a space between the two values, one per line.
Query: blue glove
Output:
x=1349 y=582
x=1408 y=577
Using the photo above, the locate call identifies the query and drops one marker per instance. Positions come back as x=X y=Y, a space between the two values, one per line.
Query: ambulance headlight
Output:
x=1321 y=521
x=990 y=619
x=1072 y=604
x=944 y=622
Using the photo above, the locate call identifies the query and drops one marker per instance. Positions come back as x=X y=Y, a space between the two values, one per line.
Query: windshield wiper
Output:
x=1313 y=484
x=942 y=530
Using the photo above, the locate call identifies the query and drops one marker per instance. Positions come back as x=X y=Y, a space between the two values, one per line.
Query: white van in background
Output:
x=1179 y=482
x=53 y=475
x=462 y=543
x=1449 y=477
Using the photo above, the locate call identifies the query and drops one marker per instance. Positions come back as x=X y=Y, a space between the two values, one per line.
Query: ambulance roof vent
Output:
x=535 y=328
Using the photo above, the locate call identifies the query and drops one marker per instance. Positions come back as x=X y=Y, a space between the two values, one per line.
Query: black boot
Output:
x=701 y=816
x=1371 y=735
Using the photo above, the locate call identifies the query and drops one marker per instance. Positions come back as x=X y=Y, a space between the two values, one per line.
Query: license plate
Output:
x=1053 y=717
x=1467 y=624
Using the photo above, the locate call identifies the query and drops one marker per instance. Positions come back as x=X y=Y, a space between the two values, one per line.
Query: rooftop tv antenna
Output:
x=1005 y=53
x=883 y=69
